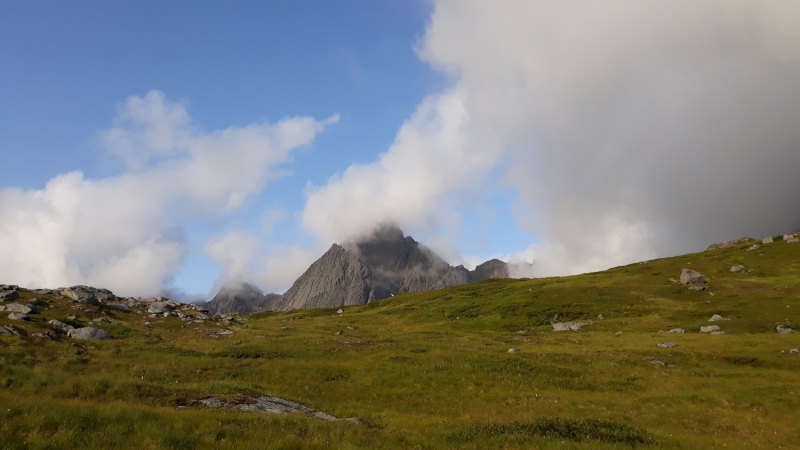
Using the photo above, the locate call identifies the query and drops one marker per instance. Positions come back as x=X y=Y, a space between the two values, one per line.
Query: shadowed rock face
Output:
x=239 y=297
x=377 y=267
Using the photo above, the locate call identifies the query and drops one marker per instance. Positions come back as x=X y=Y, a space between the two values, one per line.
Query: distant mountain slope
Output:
x=240 y=297
x=377 y=267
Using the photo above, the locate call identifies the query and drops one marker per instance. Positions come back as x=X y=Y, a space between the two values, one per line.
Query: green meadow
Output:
x=431 y=370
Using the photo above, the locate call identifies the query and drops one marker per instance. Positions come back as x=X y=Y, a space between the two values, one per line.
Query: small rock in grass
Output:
x=225 y=332
x=674 y=330
x=781 y=329
x=21 y=308
x=737 y=268
x=754 y=247
x=656 y=361
x=794 y=350
x=709 y=329
x=717 y=332
x=698 y=288
x=767 y=240
x=148 y=323
x=786 y=237
x=338 y=333
x=716 y=317
x=8 y=330
x=89 y=333
x=569 y=326
x=618 y=333
x=665 y=344
x=600 y=316
x=512 y=350
x=18 y=316
x=45 y=335
x=340 y=311
x=792 y=240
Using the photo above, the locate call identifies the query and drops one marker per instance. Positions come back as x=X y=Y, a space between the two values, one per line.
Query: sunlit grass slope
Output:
x=434 y=370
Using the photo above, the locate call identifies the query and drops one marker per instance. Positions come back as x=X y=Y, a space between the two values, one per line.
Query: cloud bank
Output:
x=634 y=129
x=126 y=232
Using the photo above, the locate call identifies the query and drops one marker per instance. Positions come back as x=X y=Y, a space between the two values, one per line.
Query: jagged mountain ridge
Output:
x=379 y=266
x=240 y=297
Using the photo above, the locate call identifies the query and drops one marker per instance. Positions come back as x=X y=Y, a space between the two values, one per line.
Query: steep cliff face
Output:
x=338 y=278
x=376 y=267
x=239 y=297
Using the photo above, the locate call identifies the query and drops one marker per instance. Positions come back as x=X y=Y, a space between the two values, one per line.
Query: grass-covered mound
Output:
x=431 y=370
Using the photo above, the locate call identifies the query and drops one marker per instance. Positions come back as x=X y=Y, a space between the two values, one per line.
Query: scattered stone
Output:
x=170 y=314
x=618 y=333
x=33 y=301
x=102 y=319
x=159 y=307
x=792 y=240
x=689 y=276
x=21 y=308
x=709 y=329
x=18 y=316
x=8 y=295
x=716 y=317
x=338 y=333
x=225 y=332
x=71 y=317
x=8 y=287
x=350 y=328
x=352 y=342
x=711 y=294
x=88 y=333
x=727 y=244
x=754 y=247
x=45 y=335
x=149 y=323
x=656 y=361
x=569 y=326
x=212 y=335
x=665 y=344
x=794 y=350
x=600 y=316
x=786 y=237
x=782 y=329
x=91 y=311
x=717 y=332
x=270 y=405
x=512 y=350
x=119 y=306
x=153 y=316
x=340 y=311
x=79 y=307
x=767 y=240
x=737 y=268
x=8 y=330
x=698 y=288
x=674 y=330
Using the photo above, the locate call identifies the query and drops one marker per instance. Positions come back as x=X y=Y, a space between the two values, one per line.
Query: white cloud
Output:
x=126 y=232
x=632 y=128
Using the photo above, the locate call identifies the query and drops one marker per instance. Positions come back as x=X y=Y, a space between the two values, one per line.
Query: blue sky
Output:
x=69 y=65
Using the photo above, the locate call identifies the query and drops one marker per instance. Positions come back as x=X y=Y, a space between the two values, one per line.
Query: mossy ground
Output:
x=435 y=372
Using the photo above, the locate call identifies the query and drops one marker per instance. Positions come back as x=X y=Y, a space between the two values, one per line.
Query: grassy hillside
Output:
x=433 y=370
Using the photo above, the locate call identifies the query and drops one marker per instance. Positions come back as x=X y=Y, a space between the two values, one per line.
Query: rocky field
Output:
x=694 y=351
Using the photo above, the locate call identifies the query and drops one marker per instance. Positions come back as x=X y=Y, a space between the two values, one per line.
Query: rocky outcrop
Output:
x=88 y=333
x=376 y=267
x=689 y=276
x=240 y=297
x=728 y=243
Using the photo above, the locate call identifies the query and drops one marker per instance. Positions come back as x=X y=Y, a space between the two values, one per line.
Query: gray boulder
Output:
x=81 y=295
x=60 y=326
x=569 y=326
x=709 y=329
x=8 y=295
x=698 y=288
x=792 y=240
x=8 y=330
x=88 y=333
x=781 y=329
x=737 y=268
x=754 y=247
x=21 y=308
x=665 y=344
x=45 y=335
x=674 y=330
x=716 y=317
x=119 y=306
x=689 y=276
x=159 y=307
x=767 y=240
x=728 y=243
x=18 y=316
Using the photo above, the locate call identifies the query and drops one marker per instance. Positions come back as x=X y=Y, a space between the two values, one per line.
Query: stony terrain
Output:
x=693 y=351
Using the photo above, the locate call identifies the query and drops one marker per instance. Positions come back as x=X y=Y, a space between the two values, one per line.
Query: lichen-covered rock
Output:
x=60 y=326
x=782 y=329
x=83 y=296
x=8 y=330
x=709 y=329
x=716 y=317
x=88 y=333
x=569 y=326
x=21 y=308
x=18 y=316
x=689 y=276
x=8 y=295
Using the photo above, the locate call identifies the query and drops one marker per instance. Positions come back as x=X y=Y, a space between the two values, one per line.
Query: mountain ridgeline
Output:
x=368 y=269
x=240 y=297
